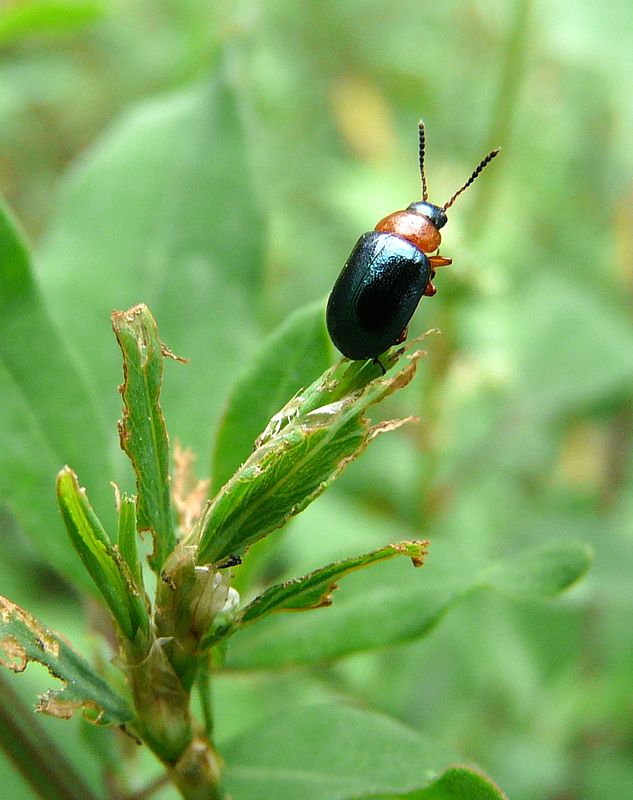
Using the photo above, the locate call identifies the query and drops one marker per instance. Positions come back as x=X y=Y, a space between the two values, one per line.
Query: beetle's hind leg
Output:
x=430 y=289
x=403 y=336
x=378 y=362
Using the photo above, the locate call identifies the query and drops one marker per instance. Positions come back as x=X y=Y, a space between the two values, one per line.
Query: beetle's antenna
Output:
x=425 y=192
x=475 y=174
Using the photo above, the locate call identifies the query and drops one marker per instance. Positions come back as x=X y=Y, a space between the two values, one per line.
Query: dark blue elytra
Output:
x=376 y=294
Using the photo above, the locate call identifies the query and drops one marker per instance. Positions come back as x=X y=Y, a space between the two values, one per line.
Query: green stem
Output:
x=198 y=771
x=204 y=692
x=511 y=74
x=35 y=755
x=165 y=724
x=150 y=789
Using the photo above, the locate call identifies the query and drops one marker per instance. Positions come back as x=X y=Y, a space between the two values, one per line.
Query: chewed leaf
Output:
x=404 y=607
x=110 y=572
x=297 y=457
x=315 y=589
x=142 y=430
x=24 y=639
x=126 y=543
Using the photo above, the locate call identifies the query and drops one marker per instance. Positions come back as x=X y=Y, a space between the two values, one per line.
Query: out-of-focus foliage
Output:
x=110 y=137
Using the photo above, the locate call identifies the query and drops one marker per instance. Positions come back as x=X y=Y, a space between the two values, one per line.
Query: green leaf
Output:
x=37 y=434
x=305 y=447
x=32 y=18
x=578 y=354
x=330 y=753
x=394 y=606
x=127 y=544
x=142 y=431
x=314 y=590
x=457 y=783
x=545 y=571
x=163 y=210
x=99 y=557
x=24 y=639
x=289 y=359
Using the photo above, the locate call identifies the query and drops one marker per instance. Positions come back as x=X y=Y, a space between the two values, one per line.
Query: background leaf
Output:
x=44 y=767
x=290 y=359
x=544 y=571
x=39 y=436
x=335 y=753
x=155 y=214
x=32 y=18
x=457 y=783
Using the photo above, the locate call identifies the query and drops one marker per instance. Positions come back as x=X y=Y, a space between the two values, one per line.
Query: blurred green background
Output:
x=113 y=126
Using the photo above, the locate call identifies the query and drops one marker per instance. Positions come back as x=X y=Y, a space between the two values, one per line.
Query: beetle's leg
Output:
x=377 y=361
x=232 y=561
x=403 y=336
x=439 y=261
x=430 y=289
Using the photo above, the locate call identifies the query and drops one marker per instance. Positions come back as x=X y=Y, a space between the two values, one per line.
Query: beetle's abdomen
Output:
x=376 y=294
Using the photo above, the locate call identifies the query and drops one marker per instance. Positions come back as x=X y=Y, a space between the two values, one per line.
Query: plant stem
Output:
x=148 y=791
x=204 y=692
x=197 y=773
x=511 y=74
x=35 y=755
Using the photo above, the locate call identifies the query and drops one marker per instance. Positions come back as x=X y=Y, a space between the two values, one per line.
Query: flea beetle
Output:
x=388 y=272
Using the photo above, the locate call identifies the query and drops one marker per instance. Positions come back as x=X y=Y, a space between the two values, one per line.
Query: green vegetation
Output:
x=216 y=162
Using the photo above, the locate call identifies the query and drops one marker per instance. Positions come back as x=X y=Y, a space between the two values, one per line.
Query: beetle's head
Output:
x=436 y=214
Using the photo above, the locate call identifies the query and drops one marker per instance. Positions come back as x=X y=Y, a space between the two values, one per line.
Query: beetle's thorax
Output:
x=418 y=224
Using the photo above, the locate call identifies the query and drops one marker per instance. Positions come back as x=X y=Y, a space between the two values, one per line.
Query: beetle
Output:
x=388 y=272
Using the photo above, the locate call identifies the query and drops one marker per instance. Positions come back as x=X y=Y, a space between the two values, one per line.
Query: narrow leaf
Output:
x=95 y=550
x=24 y=639
x=401 y=607
x=289 y=359
x=314 y=590
x=302 y=451
x=127 y=544
x=333 y=753
x=142 y=430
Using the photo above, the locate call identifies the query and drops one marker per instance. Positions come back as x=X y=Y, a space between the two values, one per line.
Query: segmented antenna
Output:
x=425 y=191
x=475 y=174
